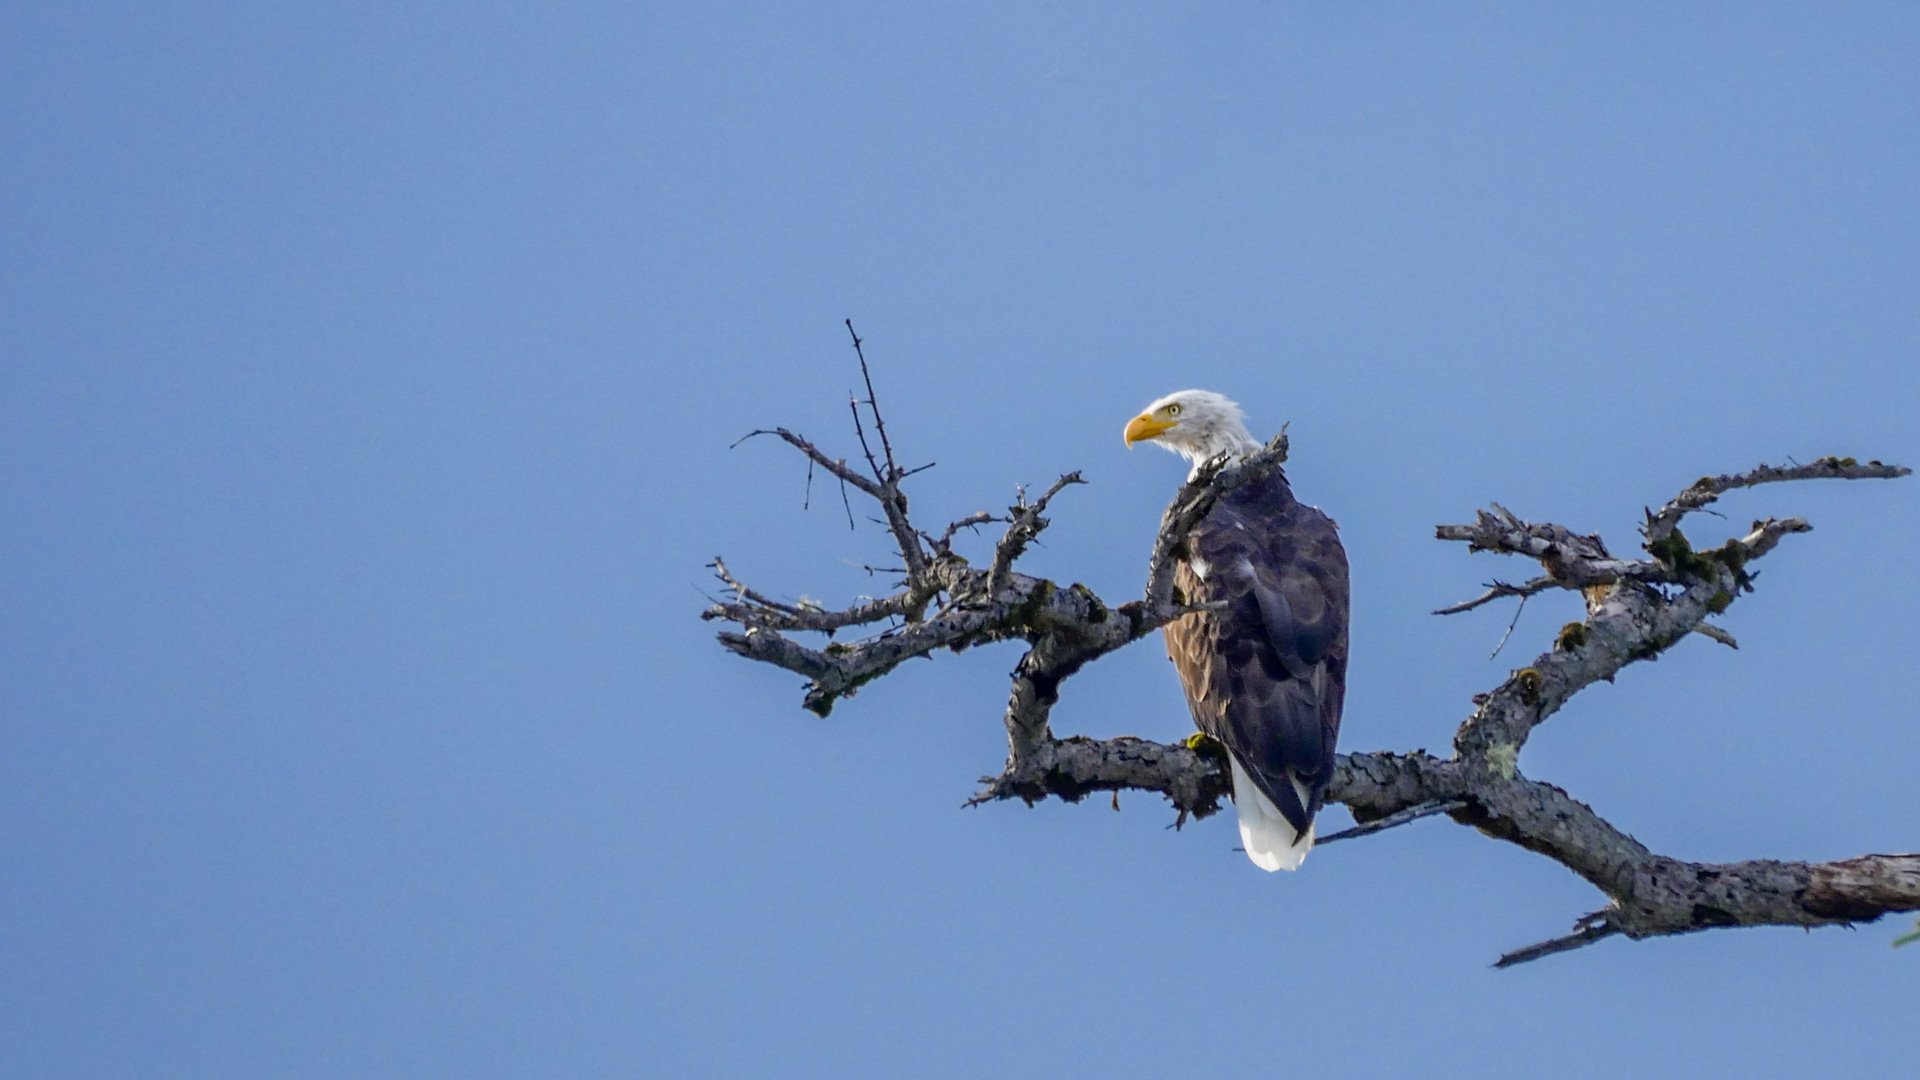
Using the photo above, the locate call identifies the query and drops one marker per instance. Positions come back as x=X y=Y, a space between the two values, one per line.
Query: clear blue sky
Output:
x=367 y=375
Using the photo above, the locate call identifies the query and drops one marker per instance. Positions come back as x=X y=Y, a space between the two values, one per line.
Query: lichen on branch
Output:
x=1637 y=608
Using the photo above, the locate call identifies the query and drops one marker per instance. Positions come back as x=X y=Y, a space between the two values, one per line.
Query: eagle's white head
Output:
x=1196 y=424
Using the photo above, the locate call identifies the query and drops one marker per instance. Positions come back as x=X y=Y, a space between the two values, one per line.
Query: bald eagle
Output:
x=1265 y=674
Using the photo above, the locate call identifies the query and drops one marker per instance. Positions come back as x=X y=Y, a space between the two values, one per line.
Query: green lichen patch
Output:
x=1096 y=611
x=1673 y=552
x=1672 y=549
x=1733 y=556
x=1027 y=612
x=1503 y=758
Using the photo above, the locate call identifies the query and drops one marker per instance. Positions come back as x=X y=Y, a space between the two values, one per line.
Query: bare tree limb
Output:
x=1023 y=526
x=1636 y=610
x=1498 y=589
x=754 y=609
x=944 y=545
x=1707 y=489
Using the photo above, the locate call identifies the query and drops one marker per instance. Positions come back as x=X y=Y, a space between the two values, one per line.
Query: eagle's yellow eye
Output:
x=1173 y=410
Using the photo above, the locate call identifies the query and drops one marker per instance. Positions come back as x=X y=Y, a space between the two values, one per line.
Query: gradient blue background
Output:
x=367 y=375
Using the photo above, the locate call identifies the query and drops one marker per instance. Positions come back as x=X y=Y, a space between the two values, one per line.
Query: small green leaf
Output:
x=1910 y=938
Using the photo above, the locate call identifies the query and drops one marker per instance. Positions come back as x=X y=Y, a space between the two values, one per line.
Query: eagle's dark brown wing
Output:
x=1267 y=674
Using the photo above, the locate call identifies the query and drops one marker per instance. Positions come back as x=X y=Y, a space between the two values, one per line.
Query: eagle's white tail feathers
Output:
x=1265 y=833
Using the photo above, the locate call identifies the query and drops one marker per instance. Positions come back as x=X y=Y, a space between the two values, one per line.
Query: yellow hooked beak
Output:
x=1144 y=426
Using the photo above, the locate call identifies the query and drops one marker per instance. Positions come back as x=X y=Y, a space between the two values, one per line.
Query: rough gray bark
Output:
x=1636 y=609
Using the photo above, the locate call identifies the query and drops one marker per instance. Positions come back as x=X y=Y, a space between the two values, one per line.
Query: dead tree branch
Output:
x=1637 y=608
x=1708 y=489
x=1411 y=813
x=1497 y=590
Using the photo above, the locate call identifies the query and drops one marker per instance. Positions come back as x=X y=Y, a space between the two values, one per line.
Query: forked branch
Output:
x=1637 y=608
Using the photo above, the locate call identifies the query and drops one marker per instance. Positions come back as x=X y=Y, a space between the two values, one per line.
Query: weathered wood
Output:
x=1637 y=609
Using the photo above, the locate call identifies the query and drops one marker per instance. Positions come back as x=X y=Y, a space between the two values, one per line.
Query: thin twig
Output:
x=885 y=486
x=1023 y=526
x=872 y=570
x=1498 y=589
x=1518 y=608
x=1411 y=813
x=720 y=571
x=879 y=425
x=854 y=404
x=971 y=521
x=836 y=466
x=1592 y=928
